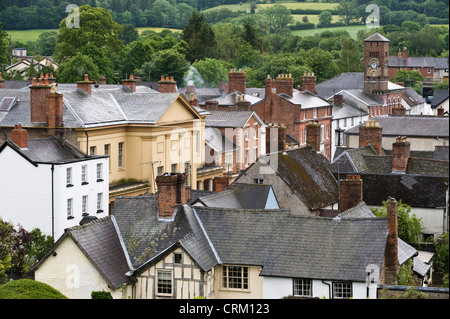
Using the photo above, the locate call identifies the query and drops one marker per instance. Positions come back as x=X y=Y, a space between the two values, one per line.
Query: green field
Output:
x=352 y=30
x=313 y=18
x=296 y=5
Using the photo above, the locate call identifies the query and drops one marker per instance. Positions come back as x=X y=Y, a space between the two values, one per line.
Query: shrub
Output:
x=101 y=295
x=29 y=289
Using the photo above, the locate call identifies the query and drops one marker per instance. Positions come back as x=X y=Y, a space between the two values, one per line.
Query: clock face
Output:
x=374 y=65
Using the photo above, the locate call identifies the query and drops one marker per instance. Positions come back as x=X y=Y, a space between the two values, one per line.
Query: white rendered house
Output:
x=47 y=183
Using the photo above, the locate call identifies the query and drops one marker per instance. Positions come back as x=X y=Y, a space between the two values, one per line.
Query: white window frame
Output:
x=69 y=176
x=161 y=285
x=99 y=202
x=99 y=172
x=302 y=287
x=84 y=204
x=235 y=277
x=120 y=155
x=342 y=290
x=84 y=174
x=69 y=208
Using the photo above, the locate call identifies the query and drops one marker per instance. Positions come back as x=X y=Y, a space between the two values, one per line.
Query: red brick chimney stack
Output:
x=398 y=110
x=53 y=111
x=19 y=136
x=193 y=100
x=313 y=135
x=400 y=154
x=391 y=252
x=167 y=85
x=285 y=84
x=350 y=192
x=38 y=92
x=371 y=133
x=440 y=111
x=130 y=83
x=2 y=82
x=85 y=85
x=102 y=80
x=338 y=100
x=309 y=82
x=172 y=192
x=220 y=183
x=405 y=53
x=237 y=81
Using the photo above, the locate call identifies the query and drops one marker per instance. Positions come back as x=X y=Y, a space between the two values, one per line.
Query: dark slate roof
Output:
x=51 y=150
x=410 y=125
x=100 y=241
x=441 y=152
x=309 y=176
x=412 y=98
x=239 y=196
x=418 y=62
x=306 y=99
x=310 y=247
x=439 y=97
x=147 y=237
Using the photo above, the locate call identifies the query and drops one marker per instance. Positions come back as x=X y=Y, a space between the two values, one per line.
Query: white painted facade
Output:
x=28 y=198
x=276 y=288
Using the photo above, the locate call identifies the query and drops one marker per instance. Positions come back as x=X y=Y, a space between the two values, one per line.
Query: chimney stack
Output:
x=51 y=79
x=193 y=100
x=405 y=52
x=85 y=85
x=130 y=83
x=309 y=82
x=53 y=110
x=398 y=110
x=172 y=192
x=167 y=85
x=313 y=135
x=285 y=84
x=223 y=86
x=2 y=82
x=241 y=103
x=440 y=111
x=211 y=105
x=38 y=104
x=400 y=154
x=338 y=100
x=237 y=81
x=391 y=252
x=19 y=136
x=220 y=183
x=350 y=192
x=190 y=87
x=102 y=80
x=371 y=133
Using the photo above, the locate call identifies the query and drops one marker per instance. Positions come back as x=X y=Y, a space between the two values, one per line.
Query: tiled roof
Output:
x=234 y=118
x=306 y=99
x=310 y=247
x=410 y=125
x=377 y=37
x=418 y=62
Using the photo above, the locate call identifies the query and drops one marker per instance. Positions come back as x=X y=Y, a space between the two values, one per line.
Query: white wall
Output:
x=26 y=192
x=276 y=288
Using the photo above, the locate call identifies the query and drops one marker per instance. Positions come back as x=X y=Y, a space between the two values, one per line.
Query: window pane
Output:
x=164 y=282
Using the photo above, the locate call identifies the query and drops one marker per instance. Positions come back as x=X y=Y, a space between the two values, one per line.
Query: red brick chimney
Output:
x=172 y=192
x=167 y=85
x=193 y=100
x=398 y=110
x=85 y=85
x=241 y=103
x=405 y=53
x=211 y=105
x=268 y=85
x=51 y=79
x=309 y=82
x=285 y=84
x=102 y=80
x=38 y=92
x=2 y=82
x=371 y=133
x=53 y=111
x=391 y=252
x=338 y=100
x=223 y=86
x=350 y=192
x=237 y=81
x=19 y=136
x=313 y=135
x=220 y=183
x=440 y=111
x=400 y=154
x=130 y=83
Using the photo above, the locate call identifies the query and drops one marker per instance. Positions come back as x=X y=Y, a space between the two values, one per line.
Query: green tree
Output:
x=134 y=56
x=46 y=43
x=411 y=79
x=74 y=69
x=278 y=18
x=441 y=260
x=168 y=62
x=320 y=62
x=325 y=18
x=199 y=37
x=351 y=55
x=227 y=41
x=409 y=225
x=129 y=34
x=3 y=47
x=212 y=71
x=347 y=10
x=96 y=26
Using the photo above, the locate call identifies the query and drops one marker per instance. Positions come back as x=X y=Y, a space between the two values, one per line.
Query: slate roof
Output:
x=439 y=97
x=100 y=241
x=50 y=150
x=235 y=118
x=306 y=99
x=410 y=125
x=308 y=175
x=239 y=195
x=418 y=62
x=377 y=37
x=405 y=251
x=311 y=247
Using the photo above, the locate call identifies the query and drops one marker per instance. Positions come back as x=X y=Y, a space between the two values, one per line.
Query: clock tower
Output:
x=376 y=56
